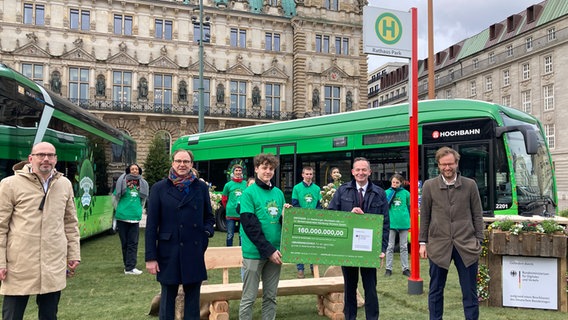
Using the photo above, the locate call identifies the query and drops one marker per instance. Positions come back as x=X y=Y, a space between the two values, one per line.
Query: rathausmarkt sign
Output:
x=387 y=32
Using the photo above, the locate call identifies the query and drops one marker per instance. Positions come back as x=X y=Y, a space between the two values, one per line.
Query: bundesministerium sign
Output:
x=387 y=32
x=331 y=237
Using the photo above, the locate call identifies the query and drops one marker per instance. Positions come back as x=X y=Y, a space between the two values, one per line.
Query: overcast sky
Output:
x=454 y=20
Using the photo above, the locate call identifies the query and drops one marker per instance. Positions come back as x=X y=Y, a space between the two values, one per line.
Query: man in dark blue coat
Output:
x=361 y=196
x=178 y=227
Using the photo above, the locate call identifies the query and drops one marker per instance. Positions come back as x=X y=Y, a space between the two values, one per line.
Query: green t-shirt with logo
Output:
x=129 y=206
x=308 y=197
x=233 y=190
x=267 y=206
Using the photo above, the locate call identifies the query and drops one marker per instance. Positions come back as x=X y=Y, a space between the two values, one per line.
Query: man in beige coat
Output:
x=39 y=237
x=451 y=228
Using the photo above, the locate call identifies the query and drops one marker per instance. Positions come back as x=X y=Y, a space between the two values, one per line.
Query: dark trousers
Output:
x=351 y=279
x=128 y=233
x=15 y=306
x=191 y=301
x=468 y=282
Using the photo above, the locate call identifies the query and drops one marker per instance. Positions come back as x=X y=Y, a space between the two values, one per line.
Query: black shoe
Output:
x=388 y=273
x=406 y=273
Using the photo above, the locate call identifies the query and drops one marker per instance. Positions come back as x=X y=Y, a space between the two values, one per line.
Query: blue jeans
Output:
x=231 y=232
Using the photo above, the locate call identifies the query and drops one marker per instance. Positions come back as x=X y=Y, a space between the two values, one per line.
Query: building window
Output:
x=506 y=101
x=488 y=83
x=272 y=41
x=549 y=133
x=163 y=90
x=206 y=95
x=449 y=94
x=506 y=77
x=164 y=29
x=548 y=64
x=526 y=102
x=238 y=98
x=509 y=50
x=78 y=84
x=551 y=34
x=475 y=63
x=238 y=38
x=121 y=86
x=322 y=43
x=272 y=92
x=34 y=14
x=273 y=3
x=197 y=32
x=332 y=99
x=80 y=19
x=33 y=71
x=342 y=46
x=332 y=5
x=122 y=24
x=529 y=43
x=167 y=138
x=548 y=97
x=491 y=57
x=526 y=71
x=451 y=74
x=473 y=88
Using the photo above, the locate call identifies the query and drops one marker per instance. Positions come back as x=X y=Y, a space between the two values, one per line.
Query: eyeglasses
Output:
x=50 y=156
x=177 y=161
x=443 y=165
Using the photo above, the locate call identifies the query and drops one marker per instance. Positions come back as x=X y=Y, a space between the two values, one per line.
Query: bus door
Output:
x=475 y=163
x=284 y=176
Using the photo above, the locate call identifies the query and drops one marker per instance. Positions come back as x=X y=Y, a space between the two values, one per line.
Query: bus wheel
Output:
x=220 y=220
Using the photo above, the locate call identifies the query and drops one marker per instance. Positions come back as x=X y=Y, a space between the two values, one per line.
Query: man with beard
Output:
x=39 y=237
x=451 y=228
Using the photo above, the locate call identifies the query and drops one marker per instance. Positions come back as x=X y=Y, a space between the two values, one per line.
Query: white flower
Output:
x=327 y=194
x=215 y=198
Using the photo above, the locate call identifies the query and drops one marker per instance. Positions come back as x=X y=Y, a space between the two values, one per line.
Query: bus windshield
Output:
x=533 y=173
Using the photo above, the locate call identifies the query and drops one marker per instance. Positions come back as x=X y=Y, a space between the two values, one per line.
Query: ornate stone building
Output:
x=136 y=63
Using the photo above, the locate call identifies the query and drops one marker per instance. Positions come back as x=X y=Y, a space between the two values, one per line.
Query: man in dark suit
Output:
x=178 y=227
x=361 y=196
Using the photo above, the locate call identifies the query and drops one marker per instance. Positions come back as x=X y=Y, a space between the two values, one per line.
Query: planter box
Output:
x=530 y=244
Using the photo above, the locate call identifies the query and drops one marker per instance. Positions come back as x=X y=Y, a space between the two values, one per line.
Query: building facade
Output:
x=518 y=62
x=136 y=63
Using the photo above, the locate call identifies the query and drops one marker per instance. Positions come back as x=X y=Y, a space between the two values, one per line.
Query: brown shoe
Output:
x=301 y=274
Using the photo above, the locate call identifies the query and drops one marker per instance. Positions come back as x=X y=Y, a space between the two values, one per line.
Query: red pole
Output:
x=415 y=283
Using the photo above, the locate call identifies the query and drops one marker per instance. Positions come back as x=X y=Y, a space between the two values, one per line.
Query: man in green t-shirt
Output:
x=262 y=206
x=306 y=194
x=232 y=192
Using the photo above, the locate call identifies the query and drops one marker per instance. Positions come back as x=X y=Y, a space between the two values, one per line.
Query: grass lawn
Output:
x=100 y=290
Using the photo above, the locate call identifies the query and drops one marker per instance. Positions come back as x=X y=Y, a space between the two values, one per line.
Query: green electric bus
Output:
x=30 y=114
x=502 y=148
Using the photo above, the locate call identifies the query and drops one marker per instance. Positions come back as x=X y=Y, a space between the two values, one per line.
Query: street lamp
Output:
x=201 y=88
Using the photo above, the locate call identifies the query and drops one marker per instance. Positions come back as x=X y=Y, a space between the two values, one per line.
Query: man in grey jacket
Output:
x=451 y=228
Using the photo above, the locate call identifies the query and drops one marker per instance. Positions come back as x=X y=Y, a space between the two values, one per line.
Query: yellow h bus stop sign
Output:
x=387 y=32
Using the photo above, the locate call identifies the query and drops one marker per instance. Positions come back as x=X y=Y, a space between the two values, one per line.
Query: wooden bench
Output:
x=329 y=290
